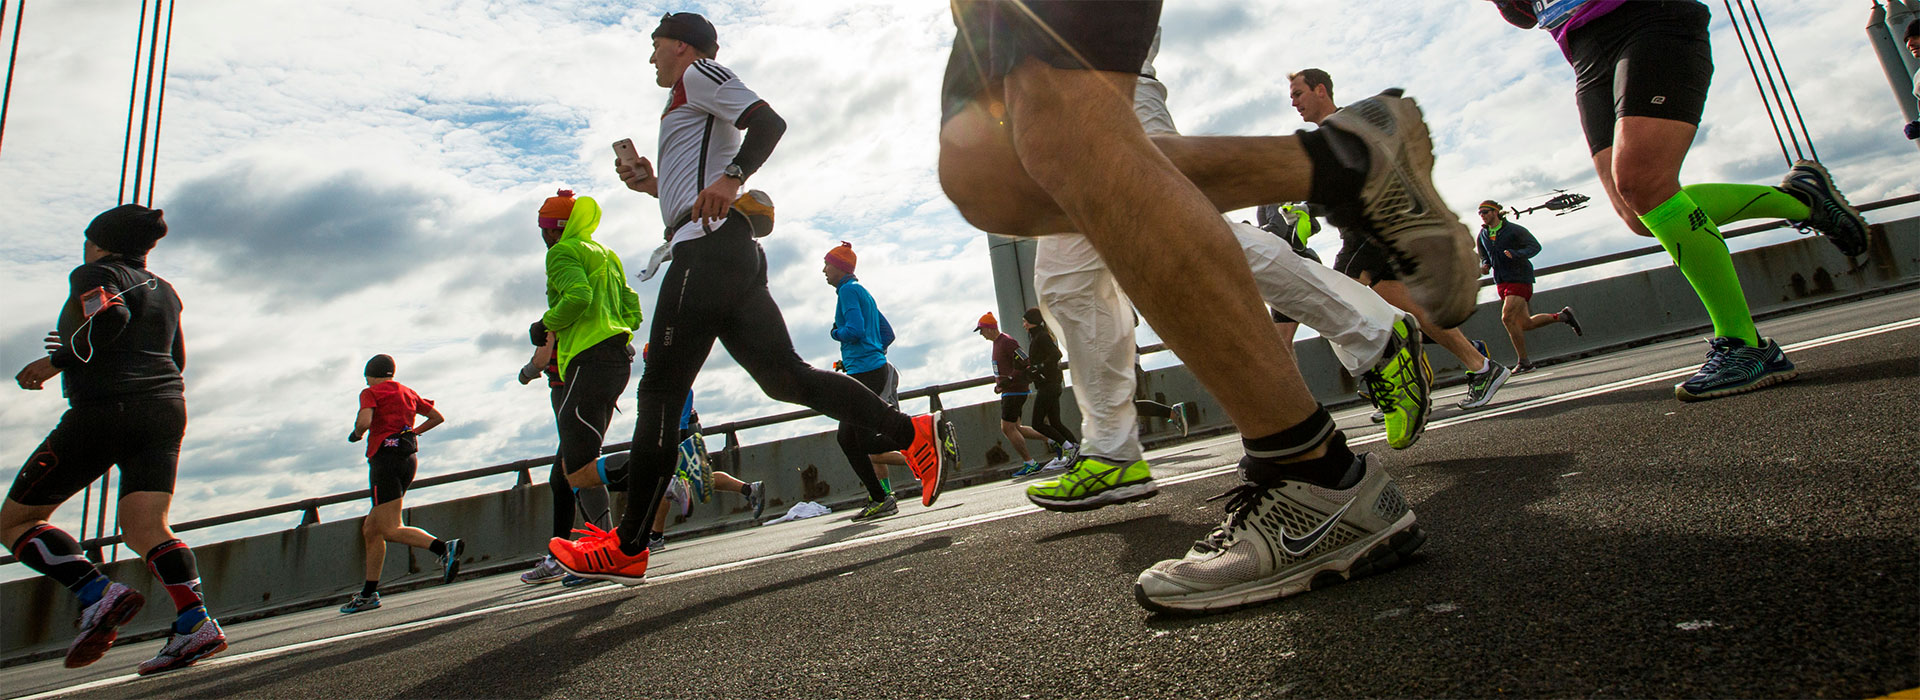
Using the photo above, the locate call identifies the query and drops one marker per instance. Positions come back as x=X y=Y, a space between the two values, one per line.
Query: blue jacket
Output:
x=1510 y=237
x=863 y=333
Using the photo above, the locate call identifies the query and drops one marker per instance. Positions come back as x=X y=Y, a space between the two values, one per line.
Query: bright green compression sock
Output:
x=1725 y=203
x=1689 y=235
x=886 y=485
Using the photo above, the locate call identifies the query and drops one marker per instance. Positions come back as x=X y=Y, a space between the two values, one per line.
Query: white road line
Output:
x=952 y=524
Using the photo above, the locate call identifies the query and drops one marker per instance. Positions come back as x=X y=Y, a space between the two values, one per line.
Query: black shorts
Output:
x=390 y=472
x=1011 y=405
x=142 y=437
x=1644 y=59
x=996 y=35
x=1359 y=254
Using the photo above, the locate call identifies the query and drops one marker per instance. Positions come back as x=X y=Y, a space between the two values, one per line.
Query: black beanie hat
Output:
x=690 y=28
x=1033 y=316
x=128 y=229
x=380 y=366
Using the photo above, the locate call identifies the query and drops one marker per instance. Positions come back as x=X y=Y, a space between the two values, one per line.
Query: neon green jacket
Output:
x=588 y=299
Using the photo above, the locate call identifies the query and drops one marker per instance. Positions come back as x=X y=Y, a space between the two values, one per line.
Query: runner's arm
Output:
x=1529 y=246
x=106 y=324
x=434 y=419
x=764 y=128
x=565 y=273
x=361 y=424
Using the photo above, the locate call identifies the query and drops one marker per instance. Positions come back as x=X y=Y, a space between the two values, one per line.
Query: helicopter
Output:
x=1560 y=204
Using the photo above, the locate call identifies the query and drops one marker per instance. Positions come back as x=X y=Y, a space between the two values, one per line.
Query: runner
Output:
x=1506 y=250
x=1641 y=71
x=1363 y=258
x=864 y=335
x=1043 y=364
x=1013 y=383
x=714 y=134
x=120 y=350
x=591 y=317
x=386 y=414
x=1056 y=77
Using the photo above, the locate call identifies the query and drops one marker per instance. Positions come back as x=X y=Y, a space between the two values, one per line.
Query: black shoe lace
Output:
x=1240 y=503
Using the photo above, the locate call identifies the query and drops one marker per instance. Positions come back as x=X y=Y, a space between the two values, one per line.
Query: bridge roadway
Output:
x=1590 y=536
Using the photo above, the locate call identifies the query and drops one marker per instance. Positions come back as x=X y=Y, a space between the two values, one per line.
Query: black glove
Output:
x=538 y=334
x=1912 y=130
x=353 y=437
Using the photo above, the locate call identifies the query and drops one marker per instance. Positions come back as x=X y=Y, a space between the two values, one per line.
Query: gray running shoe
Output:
x=1430 y=249
x=361 y=602
x=547 y=571
x=1829 y=212
x=100 y=623
x=183 y=650
x=1482 y=385
x=877 y=509
x=656 y=545
x=1283 y=541
x=757 y=498
x=1180 y=418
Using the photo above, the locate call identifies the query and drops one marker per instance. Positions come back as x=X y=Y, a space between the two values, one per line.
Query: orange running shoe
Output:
x=597 y=555
x=932 y=453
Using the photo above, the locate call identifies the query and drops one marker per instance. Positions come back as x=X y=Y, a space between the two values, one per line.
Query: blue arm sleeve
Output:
x=851 y=320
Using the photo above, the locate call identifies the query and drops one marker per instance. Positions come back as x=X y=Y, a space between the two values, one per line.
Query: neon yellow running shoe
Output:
x=1401 y=386
x=1094 y=483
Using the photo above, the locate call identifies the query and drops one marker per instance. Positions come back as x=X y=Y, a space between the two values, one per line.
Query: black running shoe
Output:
x=1566 y=317
x=1829 y=212
x=1734 y=367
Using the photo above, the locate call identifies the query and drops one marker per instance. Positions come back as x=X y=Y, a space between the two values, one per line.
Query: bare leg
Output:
x=1019 y=440
x=1513 y=315
x=1076 y=134
x=1031 y=433
x=723 y=481
x=1452 y=339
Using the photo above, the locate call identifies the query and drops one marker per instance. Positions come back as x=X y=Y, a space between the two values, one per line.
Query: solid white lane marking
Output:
x=954 y=524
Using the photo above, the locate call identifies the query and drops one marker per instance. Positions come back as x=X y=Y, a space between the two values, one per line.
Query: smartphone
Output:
x=624 y=151
x=94 y=301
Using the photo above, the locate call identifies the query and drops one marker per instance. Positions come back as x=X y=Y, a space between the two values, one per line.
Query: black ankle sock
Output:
x=1339 y=468
x=654 y=535
x=439 y=548
x=369 y=589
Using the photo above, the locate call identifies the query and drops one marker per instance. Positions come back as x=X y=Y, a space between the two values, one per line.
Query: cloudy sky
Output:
x=355 y=177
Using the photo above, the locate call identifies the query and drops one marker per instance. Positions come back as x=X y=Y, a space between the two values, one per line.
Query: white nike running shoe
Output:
x=1285 y=541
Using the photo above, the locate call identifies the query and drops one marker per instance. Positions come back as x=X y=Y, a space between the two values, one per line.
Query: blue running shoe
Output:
x=693 y=465
x=572 y=581
x=361 y=602
x=1733 y=367
x=1028 y=469
x=450 y=562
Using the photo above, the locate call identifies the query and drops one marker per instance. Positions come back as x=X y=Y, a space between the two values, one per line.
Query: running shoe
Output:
x=1378 y=417
x=1524 y=366
x=1733 y=367
x=183 y=650
x=1029 y=469
x=1286 y=540
x=877 y=509
x=680 y=494
x=547 y=571
x=596 y=555
x=1095 y=483
x=450 y=562
x=100 y=624
x=572 y=581
x=756 y=496
x=1430 y=249
x=1482 y=385
x=656 y=543
x=1566 y=317
x=1828 y=210
x=1481 y=347
x=367 y=602
x=934 y=452
x=1179 y=418
x=694 y=466
x=1401 y=385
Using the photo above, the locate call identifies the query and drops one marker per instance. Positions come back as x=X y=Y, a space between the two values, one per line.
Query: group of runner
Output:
x=1126 y=208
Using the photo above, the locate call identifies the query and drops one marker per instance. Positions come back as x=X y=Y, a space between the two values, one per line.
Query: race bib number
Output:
x=1553 y=13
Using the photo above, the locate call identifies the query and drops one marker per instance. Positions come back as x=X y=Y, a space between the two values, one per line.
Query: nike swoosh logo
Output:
x=1300 y=546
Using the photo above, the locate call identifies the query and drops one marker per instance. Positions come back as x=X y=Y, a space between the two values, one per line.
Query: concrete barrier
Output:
x=320 y=564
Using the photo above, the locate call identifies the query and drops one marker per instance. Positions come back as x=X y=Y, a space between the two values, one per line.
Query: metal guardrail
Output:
x=310 y=508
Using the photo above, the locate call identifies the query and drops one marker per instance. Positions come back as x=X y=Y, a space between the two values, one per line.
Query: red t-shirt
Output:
x=394 y=406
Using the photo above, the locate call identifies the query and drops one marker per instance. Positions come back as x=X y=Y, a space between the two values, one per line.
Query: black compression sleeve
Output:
x=764 y=128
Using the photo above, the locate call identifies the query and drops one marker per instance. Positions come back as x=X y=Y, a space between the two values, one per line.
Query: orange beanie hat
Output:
x=987 y=321
x=554 y=213
x=842 y=257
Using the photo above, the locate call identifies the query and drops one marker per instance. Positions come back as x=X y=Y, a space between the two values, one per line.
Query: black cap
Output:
x=1033 y=316
x=380 y=366
x=128 y=229
x=691 y=28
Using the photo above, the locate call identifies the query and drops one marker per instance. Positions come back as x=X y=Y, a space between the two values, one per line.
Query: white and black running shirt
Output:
x=699 y=135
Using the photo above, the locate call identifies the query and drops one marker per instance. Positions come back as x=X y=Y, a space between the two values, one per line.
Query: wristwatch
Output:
x=733 y=171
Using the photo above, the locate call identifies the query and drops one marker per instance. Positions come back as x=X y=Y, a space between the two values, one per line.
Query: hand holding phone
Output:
x=632 y=167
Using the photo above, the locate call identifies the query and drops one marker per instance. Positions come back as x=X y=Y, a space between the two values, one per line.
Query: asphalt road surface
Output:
x=1589 y=536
